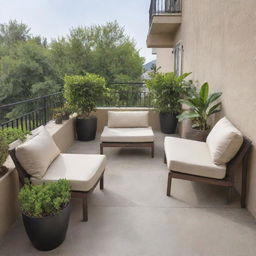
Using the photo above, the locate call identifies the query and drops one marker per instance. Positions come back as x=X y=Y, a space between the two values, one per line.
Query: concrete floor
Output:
x=133 y=216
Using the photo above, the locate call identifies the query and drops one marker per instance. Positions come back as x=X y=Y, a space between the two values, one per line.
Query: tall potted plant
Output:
x=201 y=107
x=167 y=89
x=45 y=213
x=82 y=93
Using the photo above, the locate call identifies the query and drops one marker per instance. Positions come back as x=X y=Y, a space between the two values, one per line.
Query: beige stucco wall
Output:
x=165 y=60
x=219 y=39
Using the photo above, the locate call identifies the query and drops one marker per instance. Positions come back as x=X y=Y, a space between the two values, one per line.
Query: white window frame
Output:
x=178 y=58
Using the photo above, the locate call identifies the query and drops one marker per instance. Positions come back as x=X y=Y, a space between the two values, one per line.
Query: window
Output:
x=178 y=59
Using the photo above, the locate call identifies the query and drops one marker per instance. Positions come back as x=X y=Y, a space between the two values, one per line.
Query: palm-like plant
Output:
x=201 y=107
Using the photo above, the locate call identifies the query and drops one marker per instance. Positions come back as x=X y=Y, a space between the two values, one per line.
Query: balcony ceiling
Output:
x=165 y=23
x=162 y=30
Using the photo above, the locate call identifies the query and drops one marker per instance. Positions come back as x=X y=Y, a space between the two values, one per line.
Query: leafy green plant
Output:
x=46 y=199
x=201 y=107
x=83 y=92
x=12 y=134
x=167 y=89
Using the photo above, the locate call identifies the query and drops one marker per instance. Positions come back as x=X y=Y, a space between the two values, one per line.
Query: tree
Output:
x=13 y=32
x=104 y=50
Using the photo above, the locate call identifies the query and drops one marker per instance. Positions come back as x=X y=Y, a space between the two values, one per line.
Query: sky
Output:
x=53 y=18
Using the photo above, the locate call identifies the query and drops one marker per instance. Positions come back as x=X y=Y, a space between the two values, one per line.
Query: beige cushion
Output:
x=36 y=154
x=127 y=134
x=224 y=141
x=82 y=170
x=126 y=119
x=191 y=157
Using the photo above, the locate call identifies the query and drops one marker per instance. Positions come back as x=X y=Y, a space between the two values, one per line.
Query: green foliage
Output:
x=83 y=92
x=46 y=199
x=3 y=149
x=13 y=32
x=29 y=67
x=200 y=107
x=62 y=112
x=12 y=134
x=167 y=89
x=104 y=50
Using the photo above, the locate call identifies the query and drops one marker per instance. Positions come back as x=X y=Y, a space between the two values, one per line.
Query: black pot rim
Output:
x=49 y=216
x=86 y=118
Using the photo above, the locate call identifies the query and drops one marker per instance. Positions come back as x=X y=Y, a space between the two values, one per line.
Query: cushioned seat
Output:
x=83 y=171
x=144 y=134
x=191 y=157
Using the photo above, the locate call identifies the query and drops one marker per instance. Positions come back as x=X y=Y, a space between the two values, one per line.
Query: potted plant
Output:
x=82 y=94
x=66 y=111
x=200 y=109
x=57 y=115
x=167 y=89
x=45 y=213
x=3 y=155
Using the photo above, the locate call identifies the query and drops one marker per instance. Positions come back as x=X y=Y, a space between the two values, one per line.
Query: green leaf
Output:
x=187 y=115
x=204 y=92
x=213 y=97
x=214 y=109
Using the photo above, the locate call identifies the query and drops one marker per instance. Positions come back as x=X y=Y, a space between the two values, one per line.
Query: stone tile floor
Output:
x=133 y=216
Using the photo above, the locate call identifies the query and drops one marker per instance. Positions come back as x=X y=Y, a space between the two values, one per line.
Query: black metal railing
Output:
x=127 y=94
x=32 y=113
x=158 y=7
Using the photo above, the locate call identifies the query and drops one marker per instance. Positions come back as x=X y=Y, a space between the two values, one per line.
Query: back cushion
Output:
x=224 y=141
x=36 y=154
x=126 y=119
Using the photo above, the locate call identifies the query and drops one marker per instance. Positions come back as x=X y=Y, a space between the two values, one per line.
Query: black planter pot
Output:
x=168 y=122
x=49 y=232
x=86 y=128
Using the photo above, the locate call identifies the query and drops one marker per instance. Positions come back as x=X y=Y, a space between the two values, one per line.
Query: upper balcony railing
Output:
x=32 y=113
x=158 y=7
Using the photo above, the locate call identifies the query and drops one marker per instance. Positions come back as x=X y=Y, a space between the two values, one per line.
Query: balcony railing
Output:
x=158 y=7
x=32 y=113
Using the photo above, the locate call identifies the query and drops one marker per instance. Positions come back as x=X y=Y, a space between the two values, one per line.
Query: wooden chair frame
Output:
x=75 y=194
x=127 y=145
x=240 y=158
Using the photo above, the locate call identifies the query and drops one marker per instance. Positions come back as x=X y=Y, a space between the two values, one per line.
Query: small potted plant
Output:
x=58 y=115
x=45 y=213
x=66 y=111
x=200 y=109
x=3 y=155
x=166 y=90
x=82 y=94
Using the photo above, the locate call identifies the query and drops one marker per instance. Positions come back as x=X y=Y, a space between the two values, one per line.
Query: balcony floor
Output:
x=133 y=216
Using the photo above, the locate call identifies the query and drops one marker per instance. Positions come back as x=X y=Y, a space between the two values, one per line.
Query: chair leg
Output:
x=102 y=182
x=229 y=194
x=152 y=150
x=85 y=208
x=101 y=148
x=244 y=181
x=169 y=184
x=165 y=161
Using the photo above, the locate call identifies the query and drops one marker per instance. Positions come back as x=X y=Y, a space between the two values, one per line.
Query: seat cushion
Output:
x=127 y=134
x=224 y=141
x=126 y=119
x=82 y=170
x=36 y=154
x=191 y=157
